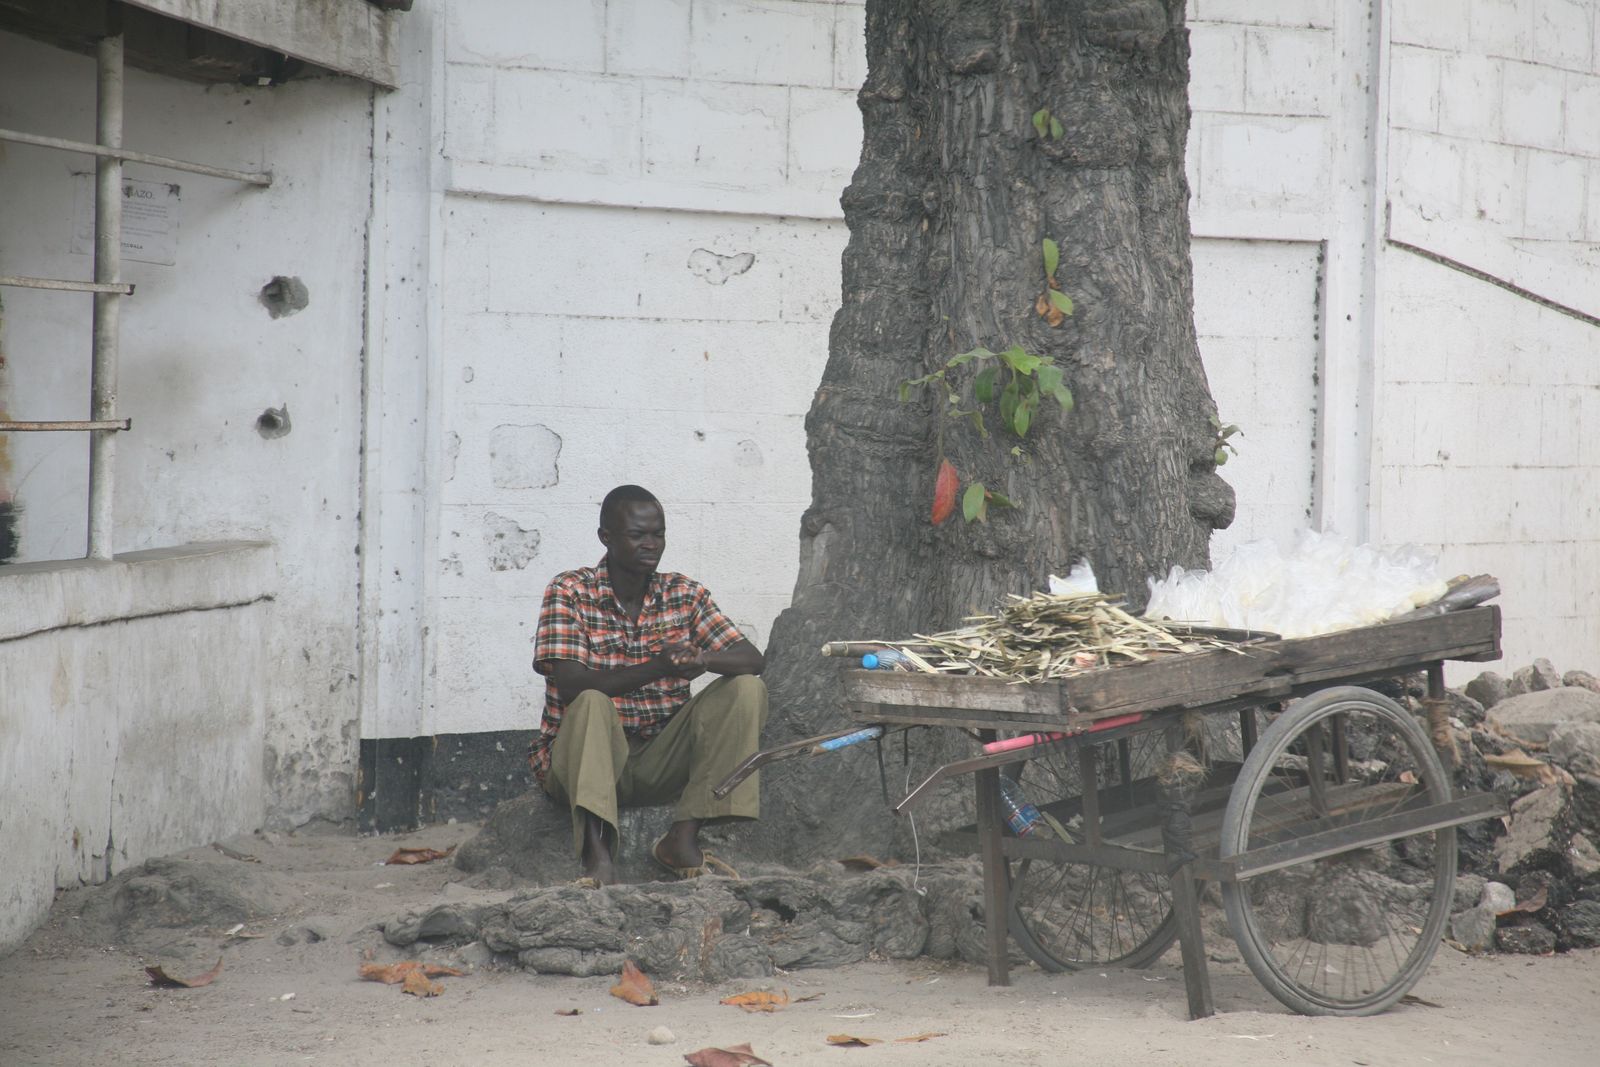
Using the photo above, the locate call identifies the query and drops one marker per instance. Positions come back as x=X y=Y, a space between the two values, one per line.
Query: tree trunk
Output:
x=954 y=195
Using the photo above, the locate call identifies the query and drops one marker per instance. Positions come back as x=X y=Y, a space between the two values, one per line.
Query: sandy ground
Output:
x=68 y=1002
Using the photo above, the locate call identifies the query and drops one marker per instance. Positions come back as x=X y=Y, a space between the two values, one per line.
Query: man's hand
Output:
x=685 y=660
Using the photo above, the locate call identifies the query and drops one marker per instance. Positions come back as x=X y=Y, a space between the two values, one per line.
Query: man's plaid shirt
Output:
x=582 y=620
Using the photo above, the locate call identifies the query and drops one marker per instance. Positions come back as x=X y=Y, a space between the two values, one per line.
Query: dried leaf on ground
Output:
x=634 y=987
x=733 y=1056
x=929 y=1036
x=1525 y=766
x=417 y=984
x=1531 y=905
x=758 y=1000
x=419 y=855
x=806 y=1000
x=852 y=1041
x=864 y=862
x=569 y=1011
x=160 y=978
x=396 y=973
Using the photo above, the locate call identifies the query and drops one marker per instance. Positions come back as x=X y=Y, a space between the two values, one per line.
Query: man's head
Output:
x=633 y=529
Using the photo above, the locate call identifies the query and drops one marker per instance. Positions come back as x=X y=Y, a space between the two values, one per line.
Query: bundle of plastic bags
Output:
x=1322 y=584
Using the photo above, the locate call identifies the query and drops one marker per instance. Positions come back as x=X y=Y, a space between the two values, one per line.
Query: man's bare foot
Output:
x=597 y=860
x=680 y=846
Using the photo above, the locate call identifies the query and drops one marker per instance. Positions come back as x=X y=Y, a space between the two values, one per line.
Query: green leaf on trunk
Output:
x=905 y=392
x=977 y=423
x=1022 y=419
x=1056 y=129
x=983 y=385
x=1020 y=361
x=973 y=504
x=1061 y=301
x=1222 y=456
x=1041 y=120
x=1000 y=500
x=1052 y=257
x=1008 y=402
x=968 y=357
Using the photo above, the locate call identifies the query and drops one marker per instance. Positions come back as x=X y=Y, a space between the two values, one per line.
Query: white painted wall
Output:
x=211 y=723
x=640 y=248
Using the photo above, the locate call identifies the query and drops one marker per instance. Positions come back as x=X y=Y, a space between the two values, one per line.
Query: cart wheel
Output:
x=1068 y=916
x=1350 y=933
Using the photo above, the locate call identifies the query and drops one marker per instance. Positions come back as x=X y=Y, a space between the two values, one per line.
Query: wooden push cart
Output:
x=1329 y=825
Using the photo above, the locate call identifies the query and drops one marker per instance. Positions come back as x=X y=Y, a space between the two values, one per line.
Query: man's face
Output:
x=635 y=537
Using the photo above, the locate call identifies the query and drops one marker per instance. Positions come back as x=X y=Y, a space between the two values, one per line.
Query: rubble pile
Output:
x=1534 y=738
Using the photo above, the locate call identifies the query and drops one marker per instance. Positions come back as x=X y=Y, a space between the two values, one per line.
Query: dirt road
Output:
x=69 y=1000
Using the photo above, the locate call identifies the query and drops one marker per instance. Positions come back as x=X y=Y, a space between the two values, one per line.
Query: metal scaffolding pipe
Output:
x=8 y=426
x=67 y=284
x=120 y=153
x=107 y=305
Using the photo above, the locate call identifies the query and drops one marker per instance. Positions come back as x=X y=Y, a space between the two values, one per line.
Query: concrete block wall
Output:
x=201 y=360
x=1489 y=392
x=1496 y=116
x=641 y=239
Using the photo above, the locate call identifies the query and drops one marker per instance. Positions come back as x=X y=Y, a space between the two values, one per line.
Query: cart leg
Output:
x=1177 y=841
x=996 y=906
x=1196 y=976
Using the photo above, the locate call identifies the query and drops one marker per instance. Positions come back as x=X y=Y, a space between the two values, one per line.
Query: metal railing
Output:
x=108 y=288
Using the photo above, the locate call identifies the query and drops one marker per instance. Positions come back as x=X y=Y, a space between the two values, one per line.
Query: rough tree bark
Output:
x=955 y=192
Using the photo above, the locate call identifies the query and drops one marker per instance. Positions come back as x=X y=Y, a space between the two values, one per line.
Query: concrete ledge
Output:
x=37 y=598
x=348 y=36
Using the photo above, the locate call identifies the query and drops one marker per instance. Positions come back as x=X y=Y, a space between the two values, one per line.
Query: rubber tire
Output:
x=1256 y=773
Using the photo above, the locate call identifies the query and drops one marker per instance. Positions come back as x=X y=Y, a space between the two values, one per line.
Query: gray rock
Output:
x=1538 y=677
x=1576 y=746
x=1532 y=715
x=1583 y=856
x=1581 y=679
x=1487 y=689
x=1474 y=929
x=531 y=837
x=475 y=955
x=1527 y=938
x=1581 y=924
x=455 y=920
x=713 y=929
x=1463 y=707
x=1541 y=827
x=1497 y=898
x=1468 y=891
x=661 y=1036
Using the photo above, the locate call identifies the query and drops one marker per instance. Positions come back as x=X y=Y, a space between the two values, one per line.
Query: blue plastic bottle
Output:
x=1021 y=815
x=886 y=659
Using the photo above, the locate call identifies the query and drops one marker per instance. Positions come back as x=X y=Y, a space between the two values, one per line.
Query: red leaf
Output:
x=161 y=978
x=733 y=1056
x=944 y=491
x=634 y=987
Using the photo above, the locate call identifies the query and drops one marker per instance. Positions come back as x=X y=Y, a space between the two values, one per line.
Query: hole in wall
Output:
x=284 y=296
x=274 y=423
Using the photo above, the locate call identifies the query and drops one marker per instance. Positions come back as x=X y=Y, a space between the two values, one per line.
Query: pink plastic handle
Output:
x=1029 y=740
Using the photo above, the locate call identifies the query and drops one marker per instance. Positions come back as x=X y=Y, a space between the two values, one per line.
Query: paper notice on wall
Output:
x=149 y=220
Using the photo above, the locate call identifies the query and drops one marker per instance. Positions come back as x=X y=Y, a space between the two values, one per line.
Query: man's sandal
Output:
x=709 y=864
x=586 y=882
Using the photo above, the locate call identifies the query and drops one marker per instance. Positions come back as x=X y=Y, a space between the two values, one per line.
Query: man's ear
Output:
x=604 y=535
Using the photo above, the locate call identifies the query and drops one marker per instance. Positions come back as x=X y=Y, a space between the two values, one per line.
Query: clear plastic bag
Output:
x=1321 y=585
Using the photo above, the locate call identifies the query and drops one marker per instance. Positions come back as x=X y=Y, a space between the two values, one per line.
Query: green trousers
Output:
x=596 y=767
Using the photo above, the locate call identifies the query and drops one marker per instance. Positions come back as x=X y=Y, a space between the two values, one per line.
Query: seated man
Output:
x=618 y=644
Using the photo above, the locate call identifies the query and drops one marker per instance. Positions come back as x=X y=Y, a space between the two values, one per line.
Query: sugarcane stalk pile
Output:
x=1040 y=638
